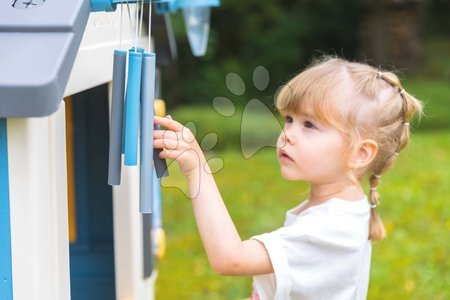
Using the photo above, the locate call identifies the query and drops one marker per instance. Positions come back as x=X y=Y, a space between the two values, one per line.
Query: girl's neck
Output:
x=322 y=192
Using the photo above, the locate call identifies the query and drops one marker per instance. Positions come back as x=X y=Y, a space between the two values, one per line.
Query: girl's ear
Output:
x=364 y=155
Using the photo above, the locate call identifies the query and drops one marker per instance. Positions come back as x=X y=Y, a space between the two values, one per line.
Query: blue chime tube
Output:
x=132 y=107
x=132 y=49
x=115 y=136
x=147 y=112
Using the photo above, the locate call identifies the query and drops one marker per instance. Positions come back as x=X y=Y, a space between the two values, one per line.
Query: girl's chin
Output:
x=290 y=175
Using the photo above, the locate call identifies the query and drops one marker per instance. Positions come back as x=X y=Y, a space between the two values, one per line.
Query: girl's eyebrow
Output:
x=299 y=114
x=306 y=115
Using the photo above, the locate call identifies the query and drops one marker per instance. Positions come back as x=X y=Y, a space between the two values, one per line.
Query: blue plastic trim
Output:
x=166 y=7
x=6 y=290
x=195 y=3
x=102 y=5
x=111 y=5
x=163 y=6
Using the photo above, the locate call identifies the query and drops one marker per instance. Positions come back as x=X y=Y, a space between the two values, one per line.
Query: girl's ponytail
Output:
x=392 y=147
x=376 y=227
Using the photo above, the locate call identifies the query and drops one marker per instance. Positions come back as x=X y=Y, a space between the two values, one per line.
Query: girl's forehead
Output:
x=311 y=110
x=305 y=114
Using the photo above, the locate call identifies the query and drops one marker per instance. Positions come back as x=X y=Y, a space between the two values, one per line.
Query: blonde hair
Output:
x=360 y=102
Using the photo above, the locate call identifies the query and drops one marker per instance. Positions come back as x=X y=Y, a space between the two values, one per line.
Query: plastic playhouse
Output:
x=80 y=193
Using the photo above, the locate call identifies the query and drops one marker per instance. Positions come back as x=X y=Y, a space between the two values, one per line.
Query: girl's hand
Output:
x=180 y=145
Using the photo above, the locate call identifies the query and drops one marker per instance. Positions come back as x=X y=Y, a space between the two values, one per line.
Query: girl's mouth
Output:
x=282 y=155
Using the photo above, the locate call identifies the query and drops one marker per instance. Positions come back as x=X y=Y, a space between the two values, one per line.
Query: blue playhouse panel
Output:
x=6 y=291
x=92 y=270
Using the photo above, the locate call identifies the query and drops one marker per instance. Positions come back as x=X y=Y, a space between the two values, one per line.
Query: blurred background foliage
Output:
x=284 y=36
x=409 y=36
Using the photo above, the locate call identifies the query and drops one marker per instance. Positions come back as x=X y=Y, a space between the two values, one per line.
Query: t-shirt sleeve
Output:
x=275 y=244
x=309 y=250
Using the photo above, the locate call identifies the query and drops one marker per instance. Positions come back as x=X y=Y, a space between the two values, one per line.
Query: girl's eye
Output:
x=288 y=119
x=309 y=124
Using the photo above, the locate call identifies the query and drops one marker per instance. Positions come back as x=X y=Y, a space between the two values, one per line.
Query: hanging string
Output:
x=129 y=19
x=120 y=26
x=149 y=25
x=140 y=21
x=136 y=41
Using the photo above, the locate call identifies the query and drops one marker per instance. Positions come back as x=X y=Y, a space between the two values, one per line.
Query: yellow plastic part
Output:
x=160 y=236
x=70 y=171
x=160 y=108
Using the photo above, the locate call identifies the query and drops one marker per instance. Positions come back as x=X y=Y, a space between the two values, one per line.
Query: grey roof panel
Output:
x=37 y=50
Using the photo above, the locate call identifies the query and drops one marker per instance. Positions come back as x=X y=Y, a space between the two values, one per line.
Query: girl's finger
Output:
x=170 y=154
x=165 y=134
x=165 y=143
x=168 y=123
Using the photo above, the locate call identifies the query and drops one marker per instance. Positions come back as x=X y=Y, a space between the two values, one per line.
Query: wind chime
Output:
x=133 y=96
x=132 y=112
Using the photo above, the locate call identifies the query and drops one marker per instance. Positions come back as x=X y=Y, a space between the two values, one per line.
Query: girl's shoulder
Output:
x=331 y=206
x=335 y=217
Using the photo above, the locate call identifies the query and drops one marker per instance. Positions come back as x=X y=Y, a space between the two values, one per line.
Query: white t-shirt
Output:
x=321 y=253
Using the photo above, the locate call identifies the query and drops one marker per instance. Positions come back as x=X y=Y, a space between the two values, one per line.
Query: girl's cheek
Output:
x=281 y=140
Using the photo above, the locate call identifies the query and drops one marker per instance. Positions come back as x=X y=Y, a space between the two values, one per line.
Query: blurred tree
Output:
x=437 y=19
x=281 y=35
x=391 y=31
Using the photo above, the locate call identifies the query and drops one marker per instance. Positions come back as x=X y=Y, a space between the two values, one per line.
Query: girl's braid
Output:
x=401 y=140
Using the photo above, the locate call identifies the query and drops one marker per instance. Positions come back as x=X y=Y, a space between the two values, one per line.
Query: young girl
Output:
x=344 y=121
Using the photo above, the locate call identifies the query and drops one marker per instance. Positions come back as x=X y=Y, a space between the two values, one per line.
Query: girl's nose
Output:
x=287 y=137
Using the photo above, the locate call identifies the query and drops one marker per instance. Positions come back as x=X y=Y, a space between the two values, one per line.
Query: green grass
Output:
x=435 y=96
x=412 y=263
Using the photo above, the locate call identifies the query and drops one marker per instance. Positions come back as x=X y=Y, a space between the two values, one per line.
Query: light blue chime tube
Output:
x=132 y=100
x=197 y=15
x=197 y=21
x=116 y=131
x=147 y=112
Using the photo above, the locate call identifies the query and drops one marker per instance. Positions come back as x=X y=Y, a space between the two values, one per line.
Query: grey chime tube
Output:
x=146 y=152
x=160 y=163
x=115 y=136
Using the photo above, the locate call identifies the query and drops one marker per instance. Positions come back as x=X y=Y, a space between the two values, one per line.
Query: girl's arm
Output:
x=227 y=253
